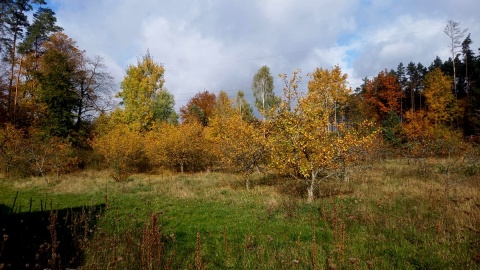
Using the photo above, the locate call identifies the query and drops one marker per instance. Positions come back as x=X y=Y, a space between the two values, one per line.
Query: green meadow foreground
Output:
x=396 y=214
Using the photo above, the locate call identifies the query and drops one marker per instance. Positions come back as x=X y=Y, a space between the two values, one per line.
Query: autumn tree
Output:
x=14 y=23
x=140 y=87
x=50 y=155
x=441 y=104
x=164 y=108
x=240 y=144
x=29 y=152
x=56 y=85
x=199 y=108
x=262 y=88
x=384 y=94
x=331 y=86
x=300 y=140
x=123 y=150
x=12 y=149
x=182 y=147
x=429 y=132
x=243 y=107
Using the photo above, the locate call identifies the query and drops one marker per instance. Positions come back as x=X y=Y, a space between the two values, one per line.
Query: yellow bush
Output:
x=182 y=147
x=122 y=150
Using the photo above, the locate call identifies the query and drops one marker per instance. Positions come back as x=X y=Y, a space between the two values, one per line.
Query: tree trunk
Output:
x=16 y=93
x=12 y=70
x=311 y=188
x=310 y=194
x=454 y=77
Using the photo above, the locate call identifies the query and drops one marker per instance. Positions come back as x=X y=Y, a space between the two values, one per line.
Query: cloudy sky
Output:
x=220 y=44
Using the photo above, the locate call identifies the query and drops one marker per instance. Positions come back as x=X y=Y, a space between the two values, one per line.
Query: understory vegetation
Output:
x=314 y=175
x=394 y=214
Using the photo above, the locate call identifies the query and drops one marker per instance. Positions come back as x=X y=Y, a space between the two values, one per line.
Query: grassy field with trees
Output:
x=394 y=214
x=385 y=176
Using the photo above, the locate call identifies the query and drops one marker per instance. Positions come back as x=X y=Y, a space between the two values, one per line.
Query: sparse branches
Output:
x=455 y=34
x=94 y=87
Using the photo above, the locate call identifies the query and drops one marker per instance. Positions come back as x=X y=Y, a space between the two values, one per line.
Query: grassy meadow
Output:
x=394 y=214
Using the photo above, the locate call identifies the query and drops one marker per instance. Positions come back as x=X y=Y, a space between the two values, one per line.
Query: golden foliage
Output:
x=304 y=142
x=51 y=156
x=182 y=147
x=239 y=145
x=25 y=153
x=428 y=131
x=12 y=148
x=383 y=93
x=141 y=85
x=122 y=149
x=427 y=139
x=441 y=104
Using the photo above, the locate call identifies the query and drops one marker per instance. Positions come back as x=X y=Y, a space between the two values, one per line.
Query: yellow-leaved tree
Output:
x=12 y=149
x=304 y=140
x=441 y=104
x=122 y=149
x=181 y=147
x=239 y=145
x=430 y=131
x=144 y=97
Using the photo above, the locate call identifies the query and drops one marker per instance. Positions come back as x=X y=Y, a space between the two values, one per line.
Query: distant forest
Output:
x=57 y=112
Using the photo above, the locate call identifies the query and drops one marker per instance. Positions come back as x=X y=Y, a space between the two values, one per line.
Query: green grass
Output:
x=386 y=217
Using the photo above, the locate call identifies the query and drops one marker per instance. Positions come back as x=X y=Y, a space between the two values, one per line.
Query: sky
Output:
x=220 y=44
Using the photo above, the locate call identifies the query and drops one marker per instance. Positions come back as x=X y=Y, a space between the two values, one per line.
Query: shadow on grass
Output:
x=49 y=239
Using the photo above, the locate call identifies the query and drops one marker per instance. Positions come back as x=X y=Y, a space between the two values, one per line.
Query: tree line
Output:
x=57 y=114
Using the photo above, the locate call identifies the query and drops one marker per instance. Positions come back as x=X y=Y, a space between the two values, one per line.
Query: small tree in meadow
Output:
x=303 y=140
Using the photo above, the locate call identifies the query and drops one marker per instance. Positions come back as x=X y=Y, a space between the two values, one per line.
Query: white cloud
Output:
x=219 y=45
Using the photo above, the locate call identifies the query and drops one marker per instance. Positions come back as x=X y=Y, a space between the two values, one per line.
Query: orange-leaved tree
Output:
x=122 y=149
x=332 y=91
x=239 y=145
x=199 y=108
x=301 y=140
x=51 y=155
x=430 y=130
x=384 y=94
x=181 y=147
x=12 y=149
x=441 y=104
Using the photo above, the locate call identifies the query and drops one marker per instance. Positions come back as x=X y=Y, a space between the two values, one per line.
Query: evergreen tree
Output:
x=44 y=24
x=14 y=21
x=58 y=93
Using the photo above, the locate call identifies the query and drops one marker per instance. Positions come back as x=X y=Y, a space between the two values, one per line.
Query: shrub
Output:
x=122 y=150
